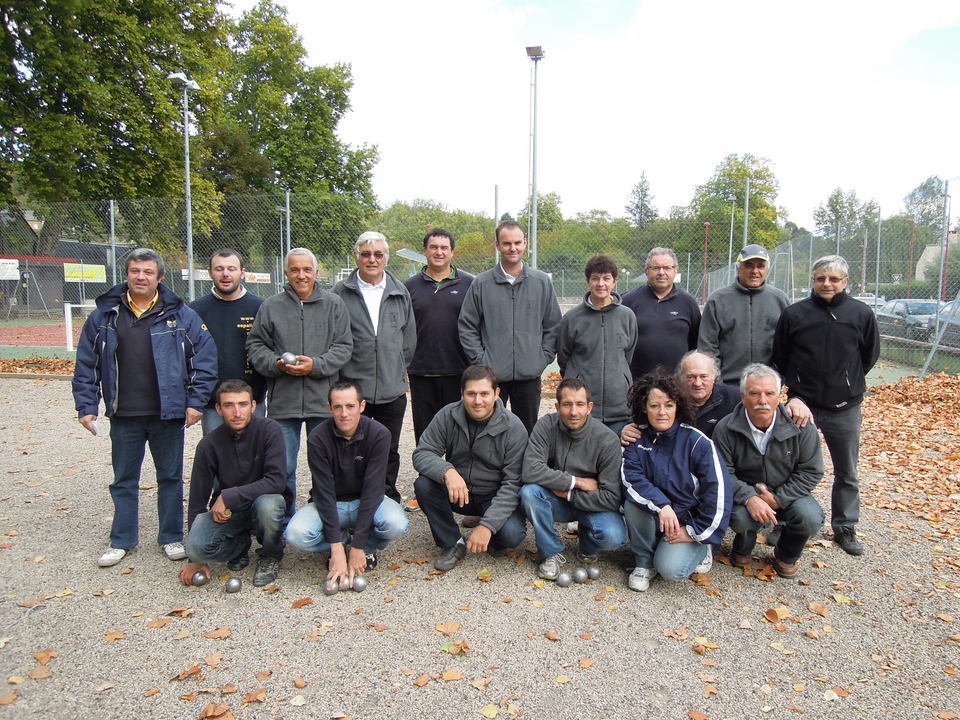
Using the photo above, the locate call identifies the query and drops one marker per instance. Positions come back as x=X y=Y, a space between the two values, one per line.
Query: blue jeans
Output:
x=210 y=541
x=129 y=437
x=801 y=520
x=598 y=530
x=435 y=504
x=305 y=530
x=841 y=432
x=674 y=561
x=211 y=419
x=291 y=441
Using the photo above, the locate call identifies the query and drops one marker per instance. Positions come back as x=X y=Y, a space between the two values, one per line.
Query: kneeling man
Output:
x=774 y=465
x=348 y=463
x=571 y=471
x=239 y=473
x=469 y=459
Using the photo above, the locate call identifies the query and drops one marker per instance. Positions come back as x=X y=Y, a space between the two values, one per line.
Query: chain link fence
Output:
x=57 y=253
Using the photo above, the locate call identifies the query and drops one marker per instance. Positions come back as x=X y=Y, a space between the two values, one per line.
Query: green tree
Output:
x=549 y=215
x=925 y=202
x=639 y=208
x=726 y=188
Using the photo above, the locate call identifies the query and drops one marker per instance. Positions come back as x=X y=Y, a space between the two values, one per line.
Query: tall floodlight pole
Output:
x=913 y=239
x=945 y=254
x=876 y=274
x=733 y=212
x=186 y=84
x=746 y=212
x=706 y=247
x=535 y=53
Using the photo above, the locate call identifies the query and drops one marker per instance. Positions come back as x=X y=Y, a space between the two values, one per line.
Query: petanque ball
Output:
x=579 y=575
x=593 y=572
x=564 y=579
x=359 y=583
x=330 y=587
x=199 y=579
x=233 y=585
x=289 y=359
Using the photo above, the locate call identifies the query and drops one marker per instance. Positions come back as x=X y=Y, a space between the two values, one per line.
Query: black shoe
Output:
x=772 y=537
x=847 y=539
x=267 y=570
x=239 y=562
x=450 y=557
x=371 y=561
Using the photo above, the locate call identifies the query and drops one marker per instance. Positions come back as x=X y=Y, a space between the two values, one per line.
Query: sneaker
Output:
x=267 y=571
x=640 y=578
x=550 y=567
x=111 y=557
x=706 y=565
x=470 y=521
x=174 y=551
x=448 y=559
x=239 y=562
x=587 y=559
x=573 y=528
x=411 y=505
x=847 y=539
x=371 y=561
x=772 y=537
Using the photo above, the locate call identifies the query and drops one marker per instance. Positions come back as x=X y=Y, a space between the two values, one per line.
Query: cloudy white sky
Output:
x=837 y=93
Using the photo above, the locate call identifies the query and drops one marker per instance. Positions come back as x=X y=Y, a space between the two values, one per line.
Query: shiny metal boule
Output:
x=564 y=579
x=199 y=579
x=289 y=359
x=330 y=587
x=359 y=583
x=579 y=575
x=593 y=572
x=233 y=585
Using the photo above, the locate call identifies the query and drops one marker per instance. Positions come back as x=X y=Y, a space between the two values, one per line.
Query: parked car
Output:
x=949 y=316
x=871 y=301
x=907 y=318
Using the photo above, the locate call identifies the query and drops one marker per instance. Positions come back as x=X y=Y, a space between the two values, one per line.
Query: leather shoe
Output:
x=740 y=561
x=848 y=541
x=785 y=569
x=448 y=559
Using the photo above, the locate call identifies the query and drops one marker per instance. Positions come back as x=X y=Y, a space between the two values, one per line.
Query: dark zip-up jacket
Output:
x=825 y=350
x=491 y=465
x=319 y=328
x=721 y=403
x=184 y=355
x=436 y=306
x=791 y=467
x=556 y=454
x=379 y=361
x=666 y=328
x=595 y=344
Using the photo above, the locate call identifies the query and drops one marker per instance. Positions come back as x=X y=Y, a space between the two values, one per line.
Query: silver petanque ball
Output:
x=199 y=579
x=289 y=359
x=593 y=572
x=330 y=587
x=233 y=585
x=359 y=583
x=564 y=579
x=580 y=575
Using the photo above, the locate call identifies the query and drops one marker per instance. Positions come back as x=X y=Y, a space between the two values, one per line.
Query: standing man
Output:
x=348 y=463
x=384 y=337
x=437 y=294
x=739 y=320
x=668 y=318
x=469 y=460
x=149 y=357
x=825 y=345
x=313 y=325
x=237 y=487
x=228 y=312
x=571 y=471
x=509 y=322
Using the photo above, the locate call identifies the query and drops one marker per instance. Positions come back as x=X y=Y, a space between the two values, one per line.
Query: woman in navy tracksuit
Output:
x=677 y=495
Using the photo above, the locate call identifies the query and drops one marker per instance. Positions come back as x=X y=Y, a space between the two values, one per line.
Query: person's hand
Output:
x=457 y=490
x=768 y=497
x=221 y=513
x=586 y=484
x=90 y=423
x=337 y=567
x=797 y=409
x=668 y=521
x=302 y=368
x=356 y=563
x=630 y=434
x=188 y=570
x=479 y=539
x=760 y=511
x=192 y=417
x=562 y=494
x=681 y=535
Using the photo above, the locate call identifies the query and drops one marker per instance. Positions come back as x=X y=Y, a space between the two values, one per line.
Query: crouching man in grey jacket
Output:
x=469 y=459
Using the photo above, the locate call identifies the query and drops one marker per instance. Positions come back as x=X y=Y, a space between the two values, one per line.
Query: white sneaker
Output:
x=573 y=528
x=111 y=557
x=174 y=551
x=640 y=578
x=550 y=567
x=706 y=565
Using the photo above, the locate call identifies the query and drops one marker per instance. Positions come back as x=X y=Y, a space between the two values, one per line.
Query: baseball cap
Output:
x=751 y=252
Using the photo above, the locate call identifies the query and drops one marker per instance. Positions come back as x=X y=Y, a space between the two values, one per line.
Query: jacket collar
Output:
x=613 y=296
x=783 y=428
x=112 y=298
x=391 y=284
x=838 y=299
x=501 y=277
x=496 y=424
x=314 y=296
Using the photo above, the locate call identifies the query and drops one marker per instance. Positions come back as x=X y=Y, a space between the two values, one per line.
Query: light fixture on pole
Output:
x=535 y=53
x=187 y=85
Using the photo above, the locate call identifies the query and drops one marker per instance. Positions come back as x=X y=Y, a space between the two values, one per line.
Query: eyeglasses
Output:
x=367 y=254
x=832 y=278
x=658 y=268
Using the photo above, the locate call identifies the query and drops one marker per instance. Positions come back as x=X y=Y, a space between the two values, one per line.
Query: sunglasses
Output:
x=367 y=254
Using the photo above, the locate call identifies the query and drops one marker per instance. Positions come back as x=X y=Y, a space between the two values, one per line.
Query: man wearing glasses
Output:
x=825 y=345
x=668 y=318
x=384 y=338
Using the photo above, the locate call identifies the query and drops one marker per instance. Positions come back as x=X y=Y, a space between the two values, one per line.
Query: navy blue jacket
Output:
x=183 y=352
x=666 y=328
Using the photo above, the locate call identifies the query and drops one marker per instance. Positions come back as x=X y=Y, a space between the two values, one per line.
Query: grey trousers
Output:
x=841 y=431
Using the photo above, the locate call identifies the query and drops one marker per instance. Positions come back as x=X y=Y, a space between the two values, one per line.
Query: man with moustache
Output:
x=774 y=465
x=228 y=312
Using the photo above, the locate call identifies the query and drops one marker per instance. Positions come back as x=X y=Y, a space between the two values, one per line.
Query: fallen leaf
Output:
x=151 y=692
x=940 y=714
x=447 y=628
x=775 y=615
x=586 y=636
x=213 y=660
x=818 y=607
x=484 y=576
x=255 y=696
x=45 y=656
x=216 y=711
x=379 y=627
x=181 y=635
x=298 y=700
x=587 y=662
x=181 y=612
x=552 y=636
x=799 y=687
x=263 y=675
x=189 y=697
x=192 y=670
x=422 y=680
x=297 y=604
x=489 y=711
x=451 y=675
x=946 y=617
x=8 y=698
x=15 y=680
x=709 y=690
x=228 y=689
x=271 y=588
x=113 y=636
x=219 y=633
x=697 y=715
x=40 y=672
x=840 y=691
x=159 y=623
x=840 y=598
x=103 y=687
x=562 y=679
x=126 y=571
x=481 y=683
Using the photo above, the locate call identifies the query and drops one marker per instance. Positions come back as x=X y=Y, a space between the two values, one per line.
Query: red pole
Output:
x=913 y=238
x=706 y=245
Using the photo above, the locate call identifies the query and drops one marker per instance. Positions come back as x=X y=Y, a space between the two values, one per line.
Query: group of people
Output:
x=667 y=430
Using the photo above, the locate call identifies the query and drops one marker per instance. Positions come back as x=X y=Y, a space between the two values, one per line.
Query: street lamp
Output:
x=913 y=239
x=535 y=53
x=706 y=245
x=186 y=84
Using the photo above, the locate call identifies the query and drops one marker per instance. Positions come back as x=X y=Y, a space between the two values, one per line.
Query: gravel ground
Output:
x=867 y=637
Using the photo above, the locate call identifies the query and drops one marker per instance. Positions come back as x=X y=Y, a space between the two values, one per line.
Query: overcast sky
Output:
x=839 y=93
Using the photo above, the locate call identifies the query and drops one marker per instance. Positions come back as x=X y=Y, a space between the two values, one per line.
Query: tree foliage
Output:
x=726 y=189
x=640 y=209
x=925 y=202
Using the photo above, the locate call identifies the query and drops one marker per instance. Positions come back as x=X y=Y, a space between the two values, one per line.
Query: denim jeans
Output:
x=435 y=504
x=211 y=419
x=129 y=437
x=305 y=530
x=801 y=520
x=598 y=530
x=291 y=441
x=210 y=541
x=841 y=432
x=674 y=561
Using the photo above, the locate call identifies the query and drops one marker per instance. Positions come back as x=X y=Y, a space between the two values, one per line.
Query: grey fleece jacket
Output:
x=596 y=344
x=791 y=467
x=318 y=327
x=510 y=327
x=738 y=325
x=556 y=454
x=491 y=465
x=379 y=361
